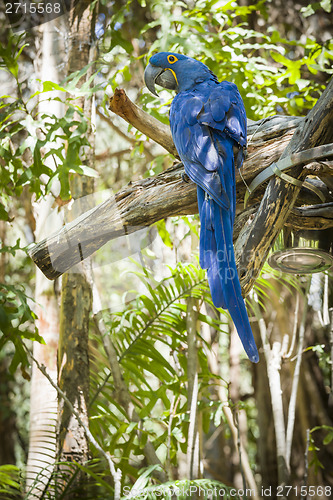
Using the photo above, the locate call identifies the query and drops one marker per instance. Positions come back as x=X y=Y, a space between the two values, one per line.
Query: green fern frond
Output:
x=10 y=485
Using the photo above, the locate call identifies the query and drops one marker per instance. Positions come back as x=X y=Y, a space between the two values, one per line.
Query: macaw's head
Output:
x=175 y=72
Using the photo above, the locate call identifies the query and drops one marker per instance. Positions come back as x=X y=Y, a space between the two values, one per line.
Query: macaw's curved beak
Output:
x=160 y=76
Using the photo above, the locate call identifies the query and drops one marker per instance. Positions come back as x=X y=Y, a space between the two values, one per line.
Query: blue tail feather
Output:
x=229 y=277
x=208 y=249
x=217 y=256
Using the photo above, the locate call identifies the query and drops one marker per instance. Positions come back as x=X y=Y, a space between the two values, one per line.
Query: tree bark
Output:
x=121 y=105
x=76 y=296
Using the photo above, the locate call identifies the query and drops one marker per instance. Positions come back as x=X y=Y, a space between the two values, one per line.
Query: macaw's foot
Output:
x=185 y=178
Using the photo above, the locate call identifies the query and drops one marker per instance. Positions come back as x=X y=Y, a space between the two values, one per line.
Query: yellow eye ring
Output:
x=172 y=59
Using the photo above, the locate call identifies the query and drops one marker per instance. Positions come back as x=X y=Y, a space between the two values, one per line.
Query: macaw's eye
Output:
x=172 y=59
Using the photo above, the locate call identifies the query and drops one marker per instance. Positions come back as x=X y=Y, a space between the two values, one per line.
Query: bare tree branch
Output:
x=273 y=357
x=144 y=202
x=212 y=358
x=193 y=448
x=139 y=205
x=122 y=106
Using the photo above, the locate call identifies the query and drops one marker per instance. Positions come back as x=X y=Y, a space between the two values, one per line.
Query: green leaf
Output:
x=85 y=170
x=164 y=233
x=3 y=213
x=328 y=438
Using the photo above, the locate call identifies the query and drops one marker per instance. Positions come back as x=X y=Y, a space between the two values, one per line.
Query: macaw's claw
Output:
x=185 y=178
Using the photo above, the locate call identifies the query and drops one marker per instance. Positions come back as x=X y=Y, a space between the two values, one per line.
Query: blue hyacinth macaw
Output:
x=208 y=125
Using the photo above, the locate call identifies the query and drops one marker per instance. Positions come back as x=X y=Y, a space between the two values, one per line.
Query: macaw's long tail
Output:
x=217 y=256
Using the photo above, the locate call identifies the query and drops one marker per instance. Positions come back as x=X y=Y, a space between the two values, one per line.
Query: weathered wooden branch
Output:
x=122 y=106
x=138 y=205
x=311 y=218
x=256 y=239
x=144 y=202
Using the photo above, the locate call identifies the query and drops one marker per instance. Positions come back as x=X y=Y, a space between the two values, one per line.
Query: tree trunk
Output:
x=43 y=399
x=76 y=296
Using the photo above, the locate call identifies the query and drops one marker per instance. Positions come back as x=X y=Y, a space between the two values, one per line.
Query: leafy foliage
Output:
x=14 y=313
x=60 y=480
x=27 y=141
x=150 y=340
x=274 y=74
x=17 y=319
x=10 y=484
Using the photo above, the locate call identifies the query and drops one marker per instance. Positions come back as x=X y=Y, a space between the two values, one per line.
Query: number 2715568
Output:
x=33 y=8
